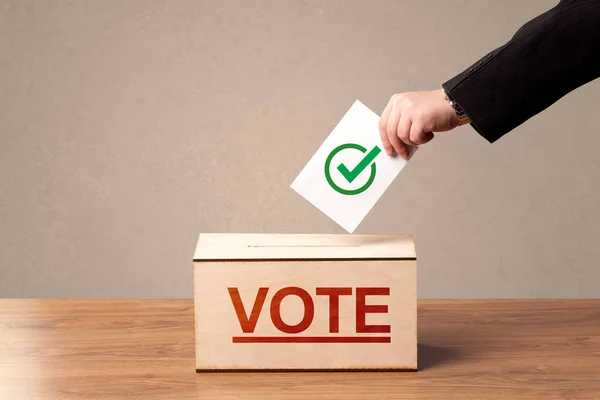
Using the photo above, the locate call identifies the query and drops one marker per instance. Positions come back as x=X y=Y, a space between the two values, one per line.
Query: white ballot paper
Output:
x=350 y=171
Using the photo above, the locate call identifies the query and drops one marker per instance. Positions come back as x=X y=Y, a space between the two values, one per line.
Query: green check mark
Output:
x=364 y=163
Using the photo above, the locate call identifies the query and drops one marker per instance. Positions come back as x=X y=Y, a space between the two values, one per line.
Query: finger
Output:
x=392 y=127
x=404 y=130
x=418 y=135
x=387 y=146
x=404 y=153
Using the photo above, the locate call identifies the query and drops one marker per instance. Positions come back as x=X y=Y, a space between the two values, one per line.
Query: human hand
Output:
x=410 y=119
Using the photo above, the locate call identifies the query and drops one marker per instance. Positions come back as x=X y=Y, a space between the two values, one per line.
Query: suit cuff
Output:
x=474 y=91
x=465 y=102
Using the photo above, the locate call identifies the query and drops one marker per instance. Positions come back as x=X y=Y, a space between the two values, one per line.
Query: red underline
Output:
x=311 y=339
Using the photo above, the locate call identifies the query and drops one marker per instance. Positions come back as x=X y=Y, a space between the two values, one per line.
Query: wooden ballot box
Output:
x=305 y=302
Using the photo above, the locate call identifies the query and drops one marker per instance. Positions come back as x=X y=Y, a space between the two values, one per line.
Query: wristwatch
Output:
x=460 y=113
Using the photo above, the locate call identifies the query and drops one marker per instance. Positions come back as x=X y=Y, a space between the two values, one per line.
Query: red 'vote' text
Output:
x=248 y=321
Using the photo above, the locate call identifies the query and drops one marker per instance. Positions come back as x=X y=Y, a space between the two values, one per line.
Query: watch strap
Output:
x=463 y=118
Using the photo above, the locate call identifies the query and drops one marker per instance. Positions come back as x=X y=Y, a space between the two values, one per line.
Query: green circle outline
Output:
x=328 y=165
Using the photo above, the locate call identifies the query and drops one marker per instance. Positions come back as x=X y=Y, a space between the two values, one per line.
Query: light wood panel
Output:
x=249 y=246
x=144 y=349
x=279 y=315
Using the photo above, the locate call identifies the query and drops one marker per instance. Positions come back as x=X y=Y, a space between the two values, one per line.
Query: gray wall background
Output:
x=128 y=127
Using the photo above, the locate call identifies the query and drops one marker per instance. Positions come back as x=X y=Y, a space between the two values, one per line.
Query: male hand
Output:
x=410 y=119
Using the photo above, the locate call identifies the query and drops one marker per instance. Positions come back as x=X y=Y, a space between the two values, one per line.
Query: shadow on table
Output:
x=431 y=356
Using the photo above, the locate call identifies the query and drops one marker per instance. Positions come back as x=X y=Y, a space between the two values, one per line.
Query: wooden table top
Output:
x=468 y=349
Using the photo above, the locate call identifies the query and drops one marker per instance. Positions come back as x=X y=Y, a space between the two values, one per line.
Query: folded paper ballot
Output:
x=350 y=171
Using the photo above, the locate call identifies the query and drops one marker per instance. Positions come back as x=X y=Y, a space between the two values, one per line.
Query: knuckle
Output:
x=428 y=124
x=399 y=99
x=409 y=106
x=408 y=100
x=407 y=138
x=417 y=139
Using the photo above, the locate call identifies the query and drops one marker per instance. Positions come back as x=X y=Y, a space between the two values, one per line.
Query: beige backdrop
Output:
x=128 y=126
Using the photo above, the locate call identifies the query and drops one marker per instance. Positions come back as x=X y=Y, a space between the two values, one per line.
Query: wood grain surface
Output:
x=130 y=349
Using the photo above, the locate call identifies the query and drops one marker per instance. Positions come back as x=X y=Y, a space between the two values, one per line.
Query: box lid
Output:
x=243 y=246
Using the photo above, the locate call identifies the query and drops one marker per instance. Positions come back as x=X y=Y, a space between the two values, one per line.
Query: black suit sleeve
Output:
x=547 y=58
